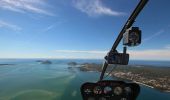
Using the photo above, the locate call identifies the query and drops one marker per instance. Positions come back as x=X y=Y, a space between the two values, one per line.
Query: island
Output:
x=44 y=61
x=72 y=63
x=6 y=64
x=151 y=76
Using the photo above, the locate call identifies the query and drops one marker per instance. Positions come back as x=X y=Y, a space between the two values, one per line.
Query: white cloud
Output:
x=82 y=51
x=151 y=54
x=168 y=26
x=10 y=26
x=167 y=46
x=22 y=6
x=48 y=28
x=52 y=26
x=95 y=8
x=158 y=33
x=155 y=54
x=81 y=54
x=153 y=36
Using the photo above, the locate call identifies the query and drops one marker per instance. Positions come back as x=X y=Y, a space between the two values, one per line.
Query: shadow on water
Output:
x=72 y=92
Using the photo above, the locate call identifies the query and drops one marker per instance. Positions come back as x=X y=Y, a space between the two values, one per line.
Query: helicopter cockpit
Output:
x=113 y=89
x=110 y=90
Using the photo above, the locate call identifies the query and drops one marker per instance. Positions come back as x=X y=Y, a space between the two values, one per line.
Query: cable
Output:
x=110 y=71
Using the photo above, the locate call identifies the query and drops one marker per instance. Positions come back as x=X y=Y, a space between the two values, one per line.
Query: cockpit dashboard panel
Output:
x=110 y=90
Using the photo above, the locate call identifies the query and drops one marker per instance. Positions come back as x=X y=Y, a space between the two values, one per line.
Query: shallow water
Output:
x=30 y=80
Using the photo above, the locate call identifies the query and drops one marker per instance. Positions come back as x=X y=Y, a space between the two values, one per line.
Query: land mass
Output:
x=6 y=64
x=44 y=61
x=151 y=76
x=72 y=63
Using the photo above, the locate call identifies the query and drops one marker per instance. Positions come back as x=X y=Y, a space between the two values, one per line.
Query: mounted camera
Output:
x=132 y=37
x=117 y=58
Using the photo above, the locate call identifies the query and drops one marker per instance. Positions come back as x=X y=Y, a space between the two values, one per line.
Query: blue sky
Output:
x=80 y=28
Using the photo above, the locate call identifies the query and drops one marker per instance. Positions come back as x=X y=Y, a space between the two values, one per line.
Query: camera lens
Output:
x=133 y=37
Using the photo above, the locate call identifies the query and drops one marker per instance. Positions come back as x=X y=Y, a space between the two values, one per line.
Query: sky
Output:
x=86 y=29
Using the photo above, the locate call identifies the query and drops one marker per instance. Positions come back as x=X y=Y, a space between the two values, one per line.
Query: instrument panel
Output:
x=110 y=90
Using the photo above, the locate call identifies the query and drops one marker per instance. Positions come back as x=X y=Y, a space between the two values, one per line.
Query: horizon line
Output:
x=87 y=59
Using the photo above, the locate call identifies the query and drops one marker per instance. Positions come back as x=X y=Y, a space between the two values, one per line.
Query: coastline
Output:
x=166 y=91
x=146 y=76
x=144 y=84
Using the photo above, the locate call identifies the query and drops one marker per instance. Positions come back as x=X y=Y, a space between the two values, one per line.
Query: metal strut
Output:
x=127 y=25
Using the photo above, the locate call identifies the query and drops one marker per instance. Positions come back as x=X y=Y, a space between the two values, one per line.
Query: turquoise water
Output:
x=30 y=80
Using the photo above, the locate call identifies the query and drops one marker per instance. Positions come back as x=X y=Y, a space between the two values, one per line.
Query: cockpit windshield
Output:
x=49 y=48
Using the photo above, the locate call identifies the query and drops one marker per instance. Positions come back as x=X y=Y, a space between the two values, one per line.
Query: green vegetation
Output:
x=156 y=77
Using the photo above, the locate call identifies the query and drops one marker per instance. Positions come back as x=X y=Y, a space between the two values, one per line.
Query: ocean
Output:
x=26 y=79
